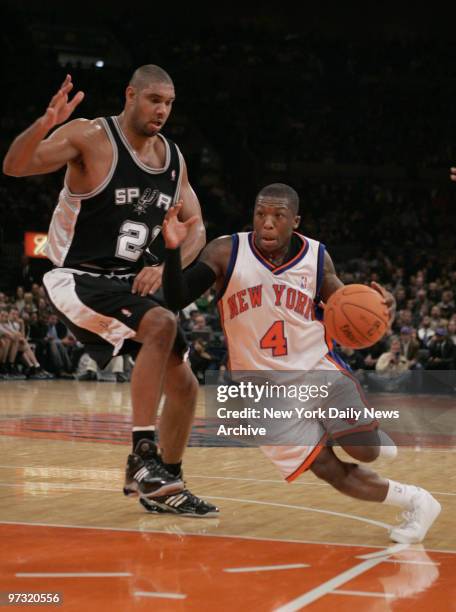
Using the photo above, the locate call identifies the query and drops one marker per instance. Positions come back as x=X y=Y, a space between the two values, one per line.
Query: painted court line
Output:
x=265 y=568
x=363 y=594
x=391 y=550
x=159 y=595
x=74 y=575
x=329 y=586
x=110 y=473
x=306 y=508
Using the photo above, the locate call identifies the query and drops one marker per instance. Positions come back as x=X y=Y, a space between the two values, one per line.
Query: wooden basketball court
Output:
x=65 y=526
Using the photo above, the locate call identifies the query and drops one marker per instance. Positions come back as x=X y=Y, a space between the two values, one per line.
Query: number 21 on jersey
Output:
x=275 y=339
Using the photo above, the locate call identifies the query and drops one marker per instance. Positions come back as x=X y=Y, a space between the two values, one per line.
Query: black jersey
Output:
x=115 y=224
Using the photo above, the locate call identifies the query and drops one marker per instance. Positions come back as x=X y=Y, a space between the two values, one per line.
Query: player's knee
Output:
x=366 y=454
x=323 y=467
x=158 y=325
x=186 y=384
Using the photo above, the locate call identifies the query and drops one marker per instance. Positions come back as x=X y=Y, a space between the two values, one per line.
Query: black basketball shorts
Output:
x=101 y=311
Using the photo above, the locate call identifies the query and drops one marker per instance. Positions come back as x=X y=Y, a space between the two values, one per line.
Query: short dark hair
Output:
x=281 y=191
x=147 y=74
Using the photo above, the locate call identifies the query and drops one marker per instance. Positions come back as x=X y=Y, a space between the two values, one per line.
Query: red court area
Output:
x=130 y=570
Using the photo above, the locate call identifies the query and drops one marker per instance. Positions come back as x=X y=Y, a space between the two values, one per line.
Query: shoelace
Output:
x=154 y=464
x=408 y=516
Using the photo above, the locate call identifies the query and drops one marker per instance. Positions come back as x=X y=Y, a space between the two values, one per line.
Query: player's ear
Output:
x=296 y=222
x=130 y=94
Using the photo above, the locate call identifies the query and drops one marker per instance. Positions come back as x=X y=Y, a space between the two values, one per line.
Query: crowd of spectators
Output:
x=34 y=344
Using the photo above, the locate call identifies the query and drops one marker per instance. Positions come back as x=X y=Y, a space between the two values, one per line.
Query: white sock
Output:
x=144 y=428
x=388 y=449
x=400 y=494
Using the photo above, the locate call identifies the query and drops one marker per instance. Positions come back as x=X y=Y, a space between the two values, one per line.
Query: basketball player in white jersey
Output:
x=121 y=177
x=269 y=283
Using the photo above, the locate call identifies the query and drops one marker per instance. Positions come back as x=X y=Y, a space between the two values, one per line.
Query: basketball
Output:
x=356 y=316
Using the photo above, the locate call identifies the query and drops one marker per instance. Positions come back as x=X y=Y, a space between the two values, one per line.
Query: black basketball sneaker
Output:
x=182 y=503
x=145 y=474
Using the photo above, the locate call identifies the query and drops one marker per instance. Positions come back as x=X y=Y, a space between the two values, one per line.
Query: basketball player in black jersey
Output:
x=121 y=177
x=275 y=219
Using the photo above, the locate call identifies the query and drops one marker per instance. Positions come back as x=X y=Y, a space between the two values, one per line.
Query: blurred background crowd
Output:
x=359 y=120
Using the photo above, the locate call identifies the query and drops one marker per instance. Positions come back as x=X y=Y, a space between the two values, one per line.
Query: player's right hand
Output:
x=174 y=231
x=60 y=108
x=453 y=174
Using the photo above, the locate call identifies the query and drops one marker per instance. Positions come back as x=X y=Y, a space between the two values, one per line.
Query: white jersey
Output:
x=268 y=312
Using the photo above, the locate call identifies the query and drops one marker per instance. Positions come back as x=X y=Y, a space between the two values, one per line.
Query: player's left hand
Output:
x=453 y=174
x=148 y=281
x=175 y=231
x=389 y=300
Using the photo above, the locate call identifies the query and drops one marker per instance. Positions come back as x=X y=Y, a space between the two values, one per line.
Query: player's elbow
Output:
x=200 y=236
x=12 y=168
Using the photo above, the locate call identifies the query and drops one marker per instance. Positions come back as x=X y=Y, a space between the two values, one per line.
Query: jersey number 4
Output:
x=275 y=339
x=133 y=239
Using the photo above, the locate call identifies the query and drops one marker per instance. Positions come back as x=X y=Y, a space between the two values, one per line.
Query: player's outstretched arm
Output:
x=183 y=287
x=31 y=154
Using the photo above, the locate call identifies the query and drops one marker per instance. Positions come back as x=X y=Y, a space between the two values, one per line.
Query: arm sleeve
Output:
x=182 y=287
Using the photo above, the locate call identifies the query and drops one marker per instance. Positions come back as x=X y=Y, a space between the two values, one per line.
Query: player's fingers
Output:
x=137 y=282
x=66 y=80
x=378 y=288
x=78 y=98
x=155 y=286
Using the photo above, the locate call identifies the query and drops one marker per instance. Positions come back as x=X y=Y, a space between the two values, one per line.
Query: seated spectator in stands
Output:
x=401 y=298
x=372 y=353
x=425 y=332
x=186 y=315
x=20 y=302
x=404 y=319
x=29 y=304
x=421 y=304
x=452 y=329
x=351 y=357
x=200 y=359
x=410 y=347
x=199 y=328
x=24 y=350
x=89 y=370
x=447 y=306
x=393 y=362
x=434 y=293
x=441 y=351
x=435 y=317
x=57 y=354
x=10 y=341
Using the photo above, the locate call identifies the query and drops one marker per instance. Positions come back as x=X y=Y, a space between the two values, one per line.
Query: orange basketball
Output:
x=356 y=316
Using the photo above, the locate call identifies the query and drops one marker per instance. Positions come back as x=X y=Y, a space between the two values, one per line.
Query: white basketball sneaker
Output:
x=418 y=519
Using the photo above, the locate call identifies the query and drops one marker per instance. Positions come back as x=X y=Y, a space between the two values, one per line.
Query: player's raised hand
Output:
x=61 y=107
x=453 y=174
x=175 y=231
